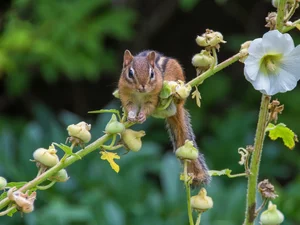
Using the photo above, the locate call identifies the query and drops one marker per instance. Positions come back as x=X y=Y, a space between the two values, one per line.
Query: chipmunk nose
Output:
x=142 y=88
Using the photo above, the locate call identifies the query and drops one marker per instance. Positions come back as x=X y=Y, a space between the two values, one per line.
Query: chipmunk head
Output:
x=140 y=72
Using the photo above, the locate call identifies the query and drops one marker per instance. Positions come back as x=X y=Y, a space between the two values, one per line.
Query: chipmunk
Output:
x=139 y=86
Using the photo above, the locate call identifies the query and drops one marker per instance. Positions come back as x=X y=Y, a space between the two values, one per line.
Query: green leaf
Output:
x=197 y=96
x=67 y=149
x=226 y=172
x=165 y=91
x=282 y=131
x=105 y=111
x=16 y=184
x=3 y=195
x=12 y=212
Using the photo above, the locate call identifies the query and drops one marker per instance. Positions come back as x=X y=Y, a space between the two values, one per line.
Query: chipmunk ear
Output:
x=127 y=58
x=151 y=58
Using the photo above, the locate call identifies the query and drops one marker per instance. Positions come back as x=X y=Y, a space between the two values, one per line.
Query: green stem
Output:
x=292 y=11
x=288 y=28
x=198 y=80
x=68 y=161
x=198 y=219
x=255 y=160
x=237 y=175
x=280 y=15
x=3 y=213
x=261 y=206
x=188 y=192
x=45 y=187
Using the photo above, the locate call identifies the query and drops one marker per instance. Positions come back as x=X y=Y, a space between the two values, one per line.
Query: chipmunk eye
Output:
x=151 y=74
x=130 y=73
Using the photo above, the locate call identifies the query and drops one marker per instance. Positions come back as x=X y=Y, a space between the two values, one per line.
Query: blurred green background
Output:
x=61 y=58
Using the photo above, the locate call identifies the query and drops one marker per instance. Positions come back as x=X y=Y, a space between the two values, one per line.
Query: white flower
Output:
x=273 y=64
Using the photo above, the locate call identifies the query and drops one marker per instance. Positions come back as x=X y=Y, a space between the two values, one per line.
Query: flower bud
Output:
x=187 y=151
x=132 y=139
x=60 y=176
x=244 y=51
x=114 y=126
x=116 y=93
x=201 y=41
x=183 y=91
x=3 y=183
x=271 y=216
x=162 y=111
x=215 y=38
x=202 y=59
x=80 y=131
x=46 y=157
x=201 y=202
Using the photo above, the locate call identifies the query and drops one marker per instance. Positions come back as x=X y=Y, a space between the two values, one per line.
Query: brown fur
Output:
x=145 y=103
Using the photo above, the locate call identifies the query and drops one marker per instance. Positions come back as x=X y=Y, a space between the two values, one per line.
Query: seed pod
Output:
x=47 y=157
x=187 y=151
x=132 y=139
x=114 y=126
x=60 y=176
x=3 y=183
x=271 y=216
x=201 y=202
x=81 y=131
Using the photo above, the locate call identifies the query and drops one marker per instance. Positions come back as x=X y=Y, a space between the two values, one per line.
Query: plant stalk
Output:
x=62 y=164
x=280 y=15
x=255 y=160
x=188 y=192
x=198 y=80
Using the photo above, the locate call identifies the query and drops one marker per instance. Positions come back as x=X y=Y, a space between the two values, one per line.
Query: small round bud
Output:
x=46 y=157
x=202 y=59
x=201 y=41
x=3 y=183
x=215 y=38
x=80 y=131
x=271 y=216
x=183 y=91
x=187 y=151
x=201 y=202
x=132 y=139
x=60 y=176
x=244 y=51
x=114 y=126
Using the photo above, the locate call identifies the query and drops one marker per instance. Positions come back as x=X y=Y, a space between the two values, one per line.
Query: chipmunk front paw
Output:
x=131 y=117
x=141 y=117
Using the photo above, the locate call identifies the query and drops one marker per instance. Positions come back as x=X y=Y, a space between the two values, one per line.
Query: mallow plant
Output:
x=271 y=65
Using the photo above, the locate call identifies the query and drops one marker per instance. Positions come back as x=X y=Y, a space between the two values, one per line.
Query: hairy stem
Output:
x=288 y=28
x=255 y=160
x=45 y=187
x=280 y=15
x=188 y=192
x=3 y=213
x=292 y=11
x=62 y=164
x=198 y=219
x=198 y=80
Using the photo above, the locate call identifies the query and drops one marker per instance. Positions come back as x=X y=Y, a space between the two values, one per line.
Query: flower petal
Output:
x=251 y=68
x=261 y=83
x=291 y=63
x=255 y=49
x=276 y=42
x=282 y=82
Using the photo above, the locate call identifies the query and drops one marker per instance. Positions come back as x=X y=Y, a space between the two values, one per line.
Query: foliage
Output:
x=34 y=38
